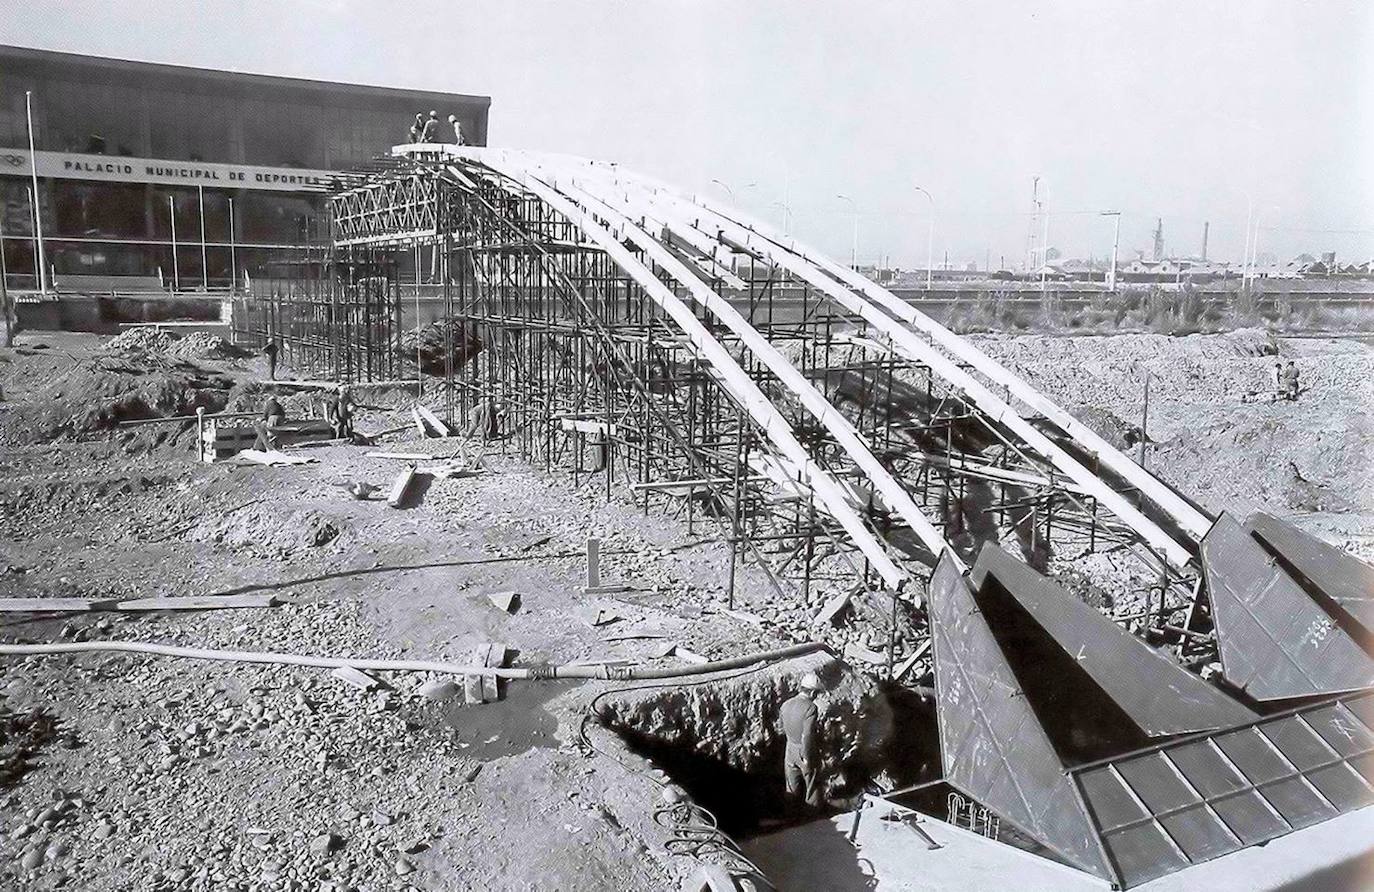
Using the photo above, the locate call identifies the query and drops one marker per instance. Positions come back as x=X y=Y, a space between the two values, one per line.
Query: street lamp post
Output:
x=1245 y=251
x=204 y=264
x=233 y=253
x=1116 y=244
x=930 y=236
x=854 y=241
x=176 y=268
x=37 y=215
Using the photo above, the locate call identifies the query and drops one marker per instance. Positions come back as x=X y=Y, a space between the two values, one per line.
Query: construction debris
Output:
x=506 y=602
x=396 y=498
x=357 y=678
x=272 y=458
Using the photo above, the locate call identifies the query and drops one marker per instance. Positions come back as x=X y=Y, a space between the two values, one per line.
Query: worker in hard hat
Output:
x=457 y=126
x=431 y=132
x=801 y=764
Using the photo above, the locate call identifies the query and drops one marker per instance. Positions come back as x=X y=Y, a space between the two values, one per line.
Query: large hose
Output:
x=537 y=672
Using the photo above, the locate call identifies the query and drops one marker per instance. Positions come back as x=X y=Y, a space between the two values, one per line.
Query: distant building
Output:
x=124 y=149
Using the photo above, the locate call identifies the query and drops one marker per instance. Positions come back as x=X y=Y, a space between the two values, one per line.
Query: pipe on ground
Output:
x=534 y=673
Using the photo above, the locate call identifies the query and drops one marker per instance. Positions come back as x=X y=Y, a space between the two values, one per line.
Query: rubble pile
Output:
x=427 y=344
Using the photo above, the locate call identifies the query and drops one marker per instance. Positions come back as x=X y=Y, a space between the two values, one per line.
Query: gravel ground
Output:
x=170 y=774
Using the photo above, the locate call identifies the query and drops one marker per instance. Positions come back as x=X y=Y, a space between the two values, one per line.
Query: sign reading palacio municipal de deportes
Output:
x=106 y=168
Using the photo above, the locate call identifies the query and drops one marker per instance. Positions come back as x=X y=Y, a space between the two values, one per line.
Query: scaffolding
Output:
x=584 y=366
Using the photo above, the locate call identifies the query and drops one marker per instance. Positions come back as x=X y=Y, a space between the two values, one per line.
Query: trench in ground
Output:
x=750 y=802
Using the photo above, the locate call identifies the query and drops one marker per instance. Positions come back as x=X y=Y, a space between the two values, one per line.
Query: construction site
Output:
x=620 y=471
x=686 y=447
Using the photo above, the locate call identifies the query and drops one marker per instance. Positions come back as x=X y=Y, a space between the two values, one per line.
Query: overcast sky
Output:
x=1159 y=109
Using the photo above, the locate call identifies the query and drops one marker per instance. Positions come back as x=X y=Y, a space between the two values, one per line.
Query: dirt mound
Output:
x=196 y=345
x=427 y=345
x=262 y=529
x=1215 y=429
x=96 y=394
x=1252 y=342
x=145 y=340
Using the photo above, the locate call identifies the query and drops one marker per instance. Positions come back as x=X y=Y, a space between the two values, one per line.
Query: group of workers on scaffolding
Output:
x=427 y=129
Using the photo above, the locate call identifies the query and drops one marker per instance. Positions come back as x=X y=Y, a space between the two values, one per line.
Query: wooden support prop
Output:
x=399 y=488
x=593 y=562
x=483 y=688
x=594 y=586
x=419 y=422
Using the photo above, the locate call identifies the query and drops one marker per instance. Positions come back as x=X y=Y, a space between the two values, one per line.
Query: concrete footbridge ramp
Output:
x=730 y=372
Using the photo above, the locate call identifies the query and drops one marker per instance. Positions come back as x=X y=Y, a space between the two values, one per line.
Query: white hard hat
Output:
x=810 y=682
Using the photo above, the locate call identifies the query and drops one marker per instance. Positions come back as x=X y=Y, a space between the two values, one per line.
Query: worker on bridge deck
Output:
x=801 y=764
x=431 y=131
x=457 y=130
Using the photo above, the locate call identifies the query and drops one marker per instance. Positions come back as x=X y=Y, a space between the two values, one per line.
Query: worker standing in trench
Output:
x=801 y=764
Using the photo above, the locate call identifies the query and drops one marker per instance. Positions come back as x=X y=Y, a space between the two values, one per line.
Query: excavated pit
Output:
x=720 y=739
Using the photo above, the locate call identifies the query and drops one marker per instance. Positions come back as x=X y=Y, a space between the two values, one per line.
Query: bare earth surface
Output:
x=174 y=774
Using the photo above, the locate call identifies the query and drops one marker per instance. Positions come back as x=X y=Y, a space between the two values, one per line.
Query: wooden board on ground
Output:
x=432 y=421
x=258 y=457
x=399 y=488
x=356 y=677
x=858 y=653
x=209 y=602
x=403 y=456
x=832 y=609
x=506 y=602
x=51 y=605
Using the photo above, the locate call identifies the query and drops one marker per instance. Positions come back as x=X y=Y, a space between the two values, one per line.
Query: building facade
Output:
x=161 y=176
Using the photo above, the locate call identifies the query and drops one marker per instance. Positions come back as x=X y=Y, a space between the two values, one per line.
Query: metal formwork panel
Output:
x=1159 y=695
x=991 y=743
x=1181 y=803
x=1275 y=641
x=1346 y=580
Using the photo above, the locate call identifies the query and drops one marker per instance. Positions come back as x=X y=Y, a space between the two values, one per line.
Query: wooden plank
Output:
x=257 y=456
x=832 y=609
x=398 y=489
x=403 y=456
x=209 y=602
x=419 y=423
x=900 y=672
x=49 y=605
x=355 y=677
x=432 y=421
